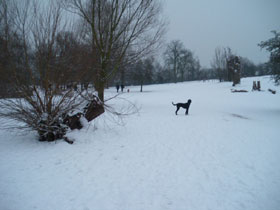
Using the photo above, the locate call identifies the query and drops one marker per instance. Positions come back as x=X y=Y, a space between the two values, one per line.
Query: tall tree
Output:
x=219 y=63
x=185 y=61
x=195 y=68
x=172 y=56
x=116 y=27
x=273 y=46
x=180 y=61
x=142 y=72
x=248 y=67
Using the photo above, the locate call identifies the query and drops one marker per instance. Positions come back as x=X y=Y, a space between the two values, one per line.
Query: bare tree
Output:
x=172 y=56
x=219 y=63
x=118 y=28
x=181 y=61
x=142 y=72
x=184 y=63
x=227 y=55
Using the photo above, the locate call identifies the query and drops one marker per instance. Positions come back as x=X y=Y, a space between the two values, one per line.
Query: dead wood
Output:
x=238 y=91
x=272 y=91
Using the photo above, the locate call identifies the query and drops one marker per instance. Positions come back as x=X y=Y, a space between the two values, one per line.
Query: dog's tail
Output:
x=174 y=104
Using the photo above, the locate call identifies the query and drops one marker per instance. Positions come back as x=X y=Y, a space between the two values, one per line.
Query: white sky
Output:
x=202 y=25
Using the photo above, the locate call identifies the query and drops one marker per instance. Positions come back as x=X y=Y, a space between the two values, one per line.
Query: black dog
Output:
x=183 y=105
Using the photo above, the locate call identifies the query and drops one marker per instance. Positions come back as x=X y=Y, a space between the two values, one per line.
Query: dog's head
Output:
x=189 y=101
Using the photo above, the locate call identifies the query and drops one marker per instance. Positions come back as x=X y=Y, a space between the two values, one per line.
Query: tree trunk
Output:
x=100 y=84
x=141 y=87
x=220 y=74
x=175 y=73
x=94 y=109
x=100 y=92
x=182 y=76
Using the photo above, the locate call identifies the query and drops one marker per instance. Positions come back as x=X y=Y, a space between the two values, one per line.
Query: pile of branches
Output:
x=49 y=114
x=71 y=120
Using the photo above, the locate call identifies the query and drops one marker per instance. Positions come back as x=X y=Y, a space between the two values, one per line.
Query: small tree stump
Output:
x=259 y=85
x=254 y=86
x=93 y=109
x=73 y=122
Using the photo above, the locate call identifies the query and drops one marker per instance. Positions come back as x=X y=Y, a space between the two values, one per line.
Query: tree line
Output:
x=180 y=64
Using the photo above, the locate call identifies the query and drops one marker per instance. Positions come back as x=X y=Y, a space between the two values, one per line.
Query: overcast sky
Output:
x=202 y=25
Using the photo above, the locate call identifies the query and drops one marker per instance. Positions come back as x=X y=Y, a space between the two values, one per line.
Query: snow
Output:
x=223 y=156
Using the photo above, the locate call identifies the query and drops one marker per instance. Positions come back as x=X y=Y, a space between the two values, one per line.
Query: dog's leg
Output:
x=187 y=109
x=177 y=110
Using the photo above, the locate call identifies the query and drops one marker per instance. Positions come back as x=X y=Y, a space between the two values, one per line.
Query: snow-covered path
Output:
x=223 y=156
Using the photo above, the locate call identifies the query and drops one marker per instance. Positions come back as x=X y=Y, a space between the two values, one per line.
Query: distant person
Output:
x=122 y=87
x=117 y=87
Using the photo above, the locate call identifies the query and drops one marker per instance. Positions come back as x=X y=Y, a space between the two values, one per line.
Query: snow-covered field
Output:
x=223 y=156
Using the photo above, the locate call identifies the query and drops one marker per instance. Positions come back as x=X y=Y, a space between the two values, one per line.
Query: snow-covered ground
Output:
x=223 y=156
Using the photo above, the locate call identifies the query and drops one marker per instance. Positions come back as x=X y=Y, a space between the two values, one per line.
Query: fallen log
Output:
x=238 y=91
x=68 y=140
x=272 y=91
